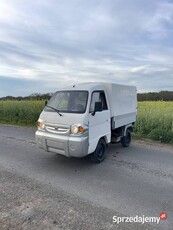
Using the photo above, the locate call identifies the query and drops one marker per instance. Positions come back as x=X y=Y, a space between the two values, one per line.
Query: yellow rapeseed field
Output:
x=20 y=112
x=154 y=120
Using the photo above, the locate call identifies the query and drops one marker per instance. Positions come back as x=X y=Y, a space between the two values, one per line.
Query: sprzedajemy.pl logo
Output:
x=140 y=219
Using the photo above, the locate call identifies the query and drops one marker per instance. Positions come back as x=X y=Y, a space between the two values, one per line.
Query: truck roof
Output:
x=92 y=85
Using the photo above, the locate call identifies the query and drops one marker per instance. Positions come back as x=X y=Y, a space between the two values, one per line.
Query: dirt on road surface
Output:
x=27 y=204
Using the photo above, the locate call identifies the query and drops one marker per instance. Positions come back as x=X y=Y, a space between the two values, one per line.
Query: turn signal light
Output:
x=77 y=129
x=80 y=129
x=40 y=124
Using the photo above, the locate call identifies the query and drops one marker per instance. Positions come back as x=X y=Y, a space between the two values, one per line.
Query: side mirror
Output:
x=97 y=108
x=45 y=103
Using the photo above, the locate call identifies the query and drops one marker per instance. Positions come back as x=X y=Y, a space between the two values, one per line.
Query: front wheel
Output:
x=126 y=140
x=100 y=153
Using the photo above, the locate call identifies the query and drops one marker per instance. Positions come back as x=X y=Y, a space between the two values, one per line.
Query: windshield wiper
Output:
x=54 y=109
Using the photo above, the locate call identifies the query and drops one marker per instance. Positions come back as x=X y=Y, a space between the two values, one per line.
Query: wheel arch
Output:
x=94 y=145
x=129 y=126
x=100 y=152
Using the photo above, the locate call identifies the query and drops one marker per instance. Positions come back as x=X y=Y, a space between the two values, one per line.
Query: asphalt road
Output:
x=131 y=181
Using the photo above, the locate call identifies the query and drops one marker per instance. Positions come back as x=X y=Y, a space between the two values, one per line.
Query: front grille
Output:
x=58 y=129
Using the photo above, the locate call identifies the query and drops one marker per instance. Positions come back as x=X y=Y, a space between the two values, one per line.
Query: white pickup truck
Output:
x=84 y=118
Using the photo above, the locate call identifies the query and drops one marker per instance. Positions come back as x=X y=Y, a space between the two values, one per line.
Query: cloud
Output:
x=57 y=42
x=140 y=69
x=160 y=25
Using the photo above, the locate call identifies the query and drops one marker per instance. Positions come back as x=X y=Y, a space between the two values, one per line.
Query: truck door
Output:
x=99 y=123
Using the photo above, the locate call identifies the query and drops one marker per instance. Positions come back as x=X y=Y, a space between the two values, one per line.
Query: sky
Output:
x=49 y=44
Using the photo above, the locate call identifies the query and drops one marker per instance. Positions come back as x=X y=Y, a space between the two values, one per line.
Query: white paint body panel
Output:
x=122 y=110
x=99 y=126
x=123 y=104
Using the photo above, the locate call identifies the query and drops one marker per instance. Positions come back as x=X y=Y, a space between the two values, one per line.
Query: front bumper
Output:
x=70 y=146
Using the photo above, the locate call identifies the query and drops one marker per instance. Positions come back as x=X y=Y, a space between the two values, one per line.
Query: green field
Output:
x=20 y=112
x=154 y=121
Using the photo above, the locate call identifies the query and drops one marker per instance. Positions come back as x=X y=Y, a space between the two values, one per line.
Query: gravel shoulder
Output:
x=153 y=144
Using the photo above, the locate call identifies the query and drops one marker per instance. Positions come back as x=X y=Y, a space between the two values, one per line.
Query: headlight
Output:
x=77 y=129
x=40 y=124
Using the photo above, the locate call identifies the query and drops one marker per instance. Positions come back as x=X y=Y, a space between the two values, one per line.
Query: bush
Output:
x=161 y=135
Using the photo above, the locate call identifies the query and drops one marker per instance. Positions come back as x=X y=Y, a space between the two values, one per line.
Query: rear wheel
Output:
x=126 y=140
x=100 y=153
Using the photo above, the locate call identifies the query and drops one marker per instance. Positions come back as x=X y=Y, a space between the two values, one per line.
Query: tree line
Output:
x=34 y=96
x=151 y=96
x=154 y=96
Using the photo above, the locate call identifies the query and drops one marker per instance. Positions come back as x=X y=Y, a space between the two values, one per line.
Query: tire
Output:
x=126 y=140
x=100 y=153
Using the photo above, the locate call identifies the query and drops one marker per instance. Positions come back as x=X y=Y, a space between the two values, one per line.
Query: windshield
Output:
x=68 y=102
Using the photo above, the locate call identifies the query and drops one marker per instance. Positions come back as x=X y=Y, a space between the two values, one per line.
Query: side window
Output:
x=98 y=96
x=95 y=98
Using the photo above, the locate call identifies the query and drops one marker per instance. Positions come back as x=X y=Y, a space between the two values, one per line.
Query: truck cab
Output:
x=79 y=120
